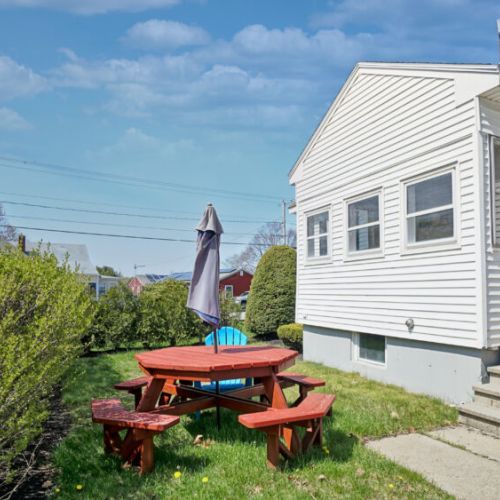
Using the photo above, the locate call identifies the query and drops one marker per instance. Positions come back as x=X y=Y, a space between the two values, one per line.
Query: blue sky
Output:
x=215 y=93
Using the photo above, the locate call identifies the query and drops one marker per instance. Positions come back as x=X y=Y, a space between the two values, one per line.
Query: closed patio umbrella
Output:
x=203 y=296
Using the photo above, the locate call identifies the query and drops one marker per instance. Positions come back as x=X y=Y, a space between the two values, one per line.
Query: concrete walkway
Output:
x=461 y=461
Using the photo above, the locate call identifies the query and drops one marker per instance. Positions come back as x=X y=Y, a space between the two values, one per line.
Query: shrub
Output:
x=291 y=335
x=271 y=302
x=44 y=311
x=230 y=311
x=116 y=318
x=164 y=316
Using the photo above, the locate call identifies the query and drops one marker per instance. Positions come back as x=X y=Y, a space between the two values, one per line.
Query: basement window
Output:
x=370 y=348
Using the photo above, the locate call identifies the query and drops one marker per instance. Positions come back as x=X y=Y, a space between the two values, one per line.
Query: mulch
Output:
x=34 y=474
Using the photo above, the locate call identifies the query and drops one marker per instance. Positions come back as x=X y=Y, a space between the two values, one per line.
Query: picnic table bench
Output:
x=137 y=447
x=274 y=422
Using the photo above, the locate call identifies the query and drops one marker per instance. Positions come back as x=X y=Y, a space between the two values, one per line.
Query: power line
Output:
x=115 y=224
x=129 y=180
x=104 y=204
x=125 y=214
x=127 y=236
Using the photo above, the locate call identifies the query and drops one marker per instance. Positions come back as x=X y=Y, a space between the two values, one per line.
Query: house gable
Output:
x=468 y=81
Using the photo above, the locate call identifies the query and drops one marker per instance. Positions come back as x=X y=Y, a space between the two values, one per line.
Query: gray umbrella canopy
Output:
x=203 y=296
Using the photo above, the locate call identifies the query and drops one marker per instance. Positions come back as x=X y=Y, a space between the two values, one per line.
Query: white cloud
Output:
x=17 y=80
x=87 y=7
x=162 y=34
x=11 y=120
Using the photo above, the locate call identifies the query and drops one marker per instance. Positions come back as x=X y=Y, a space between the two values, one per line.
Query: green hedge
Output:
x=291 y=335
x=45 y=310
x=271 y=302
x=116 y=318
x=164 y=317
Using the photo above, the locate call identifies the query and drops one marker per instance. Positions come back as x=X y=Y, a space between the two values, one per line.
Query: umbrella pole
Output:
x=217 y=386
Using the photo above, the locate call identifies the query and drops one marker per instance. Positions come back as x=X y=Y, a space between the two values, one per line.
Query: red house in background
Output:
x=233 y=282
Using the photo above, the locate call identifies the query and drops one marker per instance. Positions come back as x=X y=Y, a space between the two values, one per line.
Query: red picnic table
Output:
x=170 y=393
x=173 y=370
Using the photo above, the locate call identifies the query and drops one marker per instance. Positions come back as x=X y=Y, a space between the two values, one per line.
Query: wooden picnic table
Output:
x=174 y=369
x=170 y=392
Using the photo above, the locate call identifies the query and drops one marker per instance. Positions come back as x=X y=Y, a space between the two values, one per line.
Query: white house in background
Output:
x=77 y=256
x=398 y=227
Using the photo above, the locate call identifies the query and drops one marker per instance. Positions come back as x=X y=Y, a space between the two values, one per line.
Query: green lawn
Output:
x=233 y=459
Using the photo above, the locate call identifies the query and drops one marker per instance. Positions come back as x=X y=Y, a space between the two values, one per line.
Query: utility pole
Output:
x=137 y=266
x=283 y=223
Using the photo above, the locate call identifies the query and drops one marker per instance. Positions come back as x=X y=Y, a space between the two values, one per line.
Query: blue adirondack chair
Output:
x=227 y=335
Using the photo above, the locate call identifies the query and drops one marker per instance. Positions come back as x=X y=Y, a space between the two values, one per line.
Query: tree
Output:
x=7 y=232
x=116 y=318
x=267 y=236
x=164 y=315
x=107 y=271
x=271 y=302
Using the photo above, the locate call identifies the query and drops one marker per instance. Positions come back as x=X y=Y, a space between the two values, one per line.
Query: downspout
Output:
x=482 y=244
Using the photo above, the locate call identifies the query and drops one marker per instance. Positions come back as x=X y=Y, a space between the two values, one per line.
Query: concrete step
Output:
x=487 y=394
x=484 y=418
x=494 y=372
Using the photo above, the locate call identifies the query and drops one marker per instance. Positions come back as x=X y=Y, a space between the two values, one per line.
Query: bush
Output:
x=271 y=302
x=291 y=335
x=164 y=317
x=230 y=311
x=44 y=311
x=116 y=318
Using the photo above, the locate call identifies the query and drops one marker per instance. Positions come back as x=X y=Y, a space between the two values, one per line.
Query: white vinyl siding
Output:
x=389 y=128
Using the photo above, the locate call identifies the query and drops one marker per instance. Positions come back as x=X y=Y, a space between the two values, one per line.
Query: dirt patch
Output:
x=34 y=472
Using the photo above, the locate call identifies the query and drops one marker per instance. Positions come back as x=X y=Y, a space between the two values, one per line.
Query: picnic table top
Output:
x=203 y=359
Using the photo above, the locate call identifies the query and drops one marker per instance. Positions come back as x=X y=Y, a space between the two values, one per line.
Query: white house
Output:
x=398 y=227
x=78 y=258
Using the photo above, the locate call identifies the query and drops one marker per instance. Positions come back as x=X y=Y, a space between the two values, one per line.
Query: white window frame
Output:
x=439 y=243
x=226 y=289
x=372 y=252
x=322 y=258
x=493 y=194
x=356 y=349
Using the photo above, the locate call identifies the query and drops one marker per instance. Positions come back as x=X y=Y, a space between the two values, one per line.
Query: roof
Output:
x=186 y=276
x=471 y=80
x=148 y=279
x=77 y=255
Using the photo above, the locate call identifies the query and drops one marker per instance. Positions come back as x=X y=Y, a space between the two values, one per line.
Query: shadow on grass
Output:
x=337 y=445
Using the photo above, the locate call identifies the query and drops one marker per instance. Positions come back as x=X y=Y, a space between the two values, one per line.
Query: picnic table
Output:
x=169 y=392
x=174 y=369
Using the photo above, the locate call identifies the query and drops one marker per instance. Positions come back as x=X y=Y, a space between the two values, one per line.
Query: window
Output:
x=429 y=209
x=228 y=291
x=495 y=174
x=371 y=348
x=363 y=231
x=317 y=235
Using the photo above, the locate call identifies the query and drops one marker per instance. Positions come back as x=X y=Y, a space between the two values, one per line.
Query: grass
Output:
x=233 y=459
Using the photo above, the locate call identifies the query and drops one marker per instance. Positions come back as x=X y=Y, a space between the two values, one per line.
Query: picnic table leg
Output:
x=276 y=397
x=147 y=455
x=151 y=395
x=273 y=449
